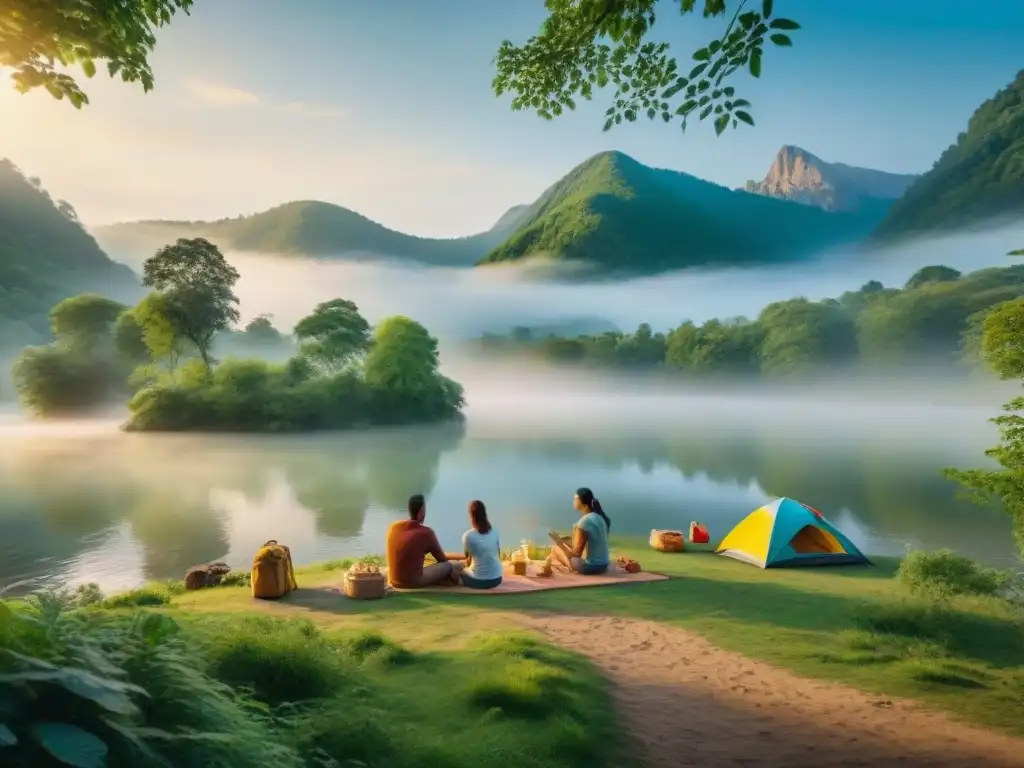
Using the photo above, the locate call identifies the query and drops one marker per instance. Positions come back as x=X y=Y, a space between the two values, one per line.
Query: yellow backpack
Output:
x=273 y=575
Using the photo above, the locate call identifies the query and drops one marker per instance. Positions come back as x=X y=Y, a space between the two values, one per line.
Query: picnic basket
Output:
x=364 y=581
x=667 y=541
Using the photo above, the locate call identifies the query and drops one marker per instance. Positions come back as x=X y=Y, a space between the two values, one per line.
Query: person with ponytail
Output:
x=589 y=552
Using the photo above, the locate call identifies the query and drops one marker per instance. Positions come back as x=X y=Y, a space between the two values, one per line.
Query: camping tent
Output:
x=787 y=532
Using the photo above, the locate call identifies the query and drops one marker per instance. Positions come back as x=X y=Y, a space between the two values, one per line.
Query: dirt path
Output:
x=687 y=702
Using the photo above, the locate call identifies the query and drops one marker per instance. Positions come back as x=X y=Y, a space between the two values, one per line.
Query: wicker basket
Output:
x=365 y=586
x=667 y=541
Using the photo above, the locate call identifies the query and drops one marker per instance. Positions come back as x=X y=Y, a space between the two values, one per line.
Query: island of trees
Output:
x=935 y=318
x=160 y=355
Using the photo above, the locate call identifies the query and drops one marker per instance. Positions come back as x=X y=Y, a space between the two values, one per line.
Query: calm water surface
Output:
x=84 y=502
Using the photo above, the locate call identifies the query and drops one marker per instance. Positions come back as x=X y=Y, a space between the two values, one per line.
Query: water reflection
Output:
x=120 y=509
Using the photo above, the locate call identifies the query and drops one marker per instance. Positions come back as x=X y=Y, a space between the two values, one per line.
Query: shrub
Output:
x=945 y=574
x=93 y=689
x=279 y=661
x=369 y=645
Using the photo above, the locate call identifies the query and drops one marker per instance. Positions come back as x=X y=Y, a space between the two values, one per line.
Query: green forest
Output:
x=979 y=176
x=159 y=353
x=934 y=318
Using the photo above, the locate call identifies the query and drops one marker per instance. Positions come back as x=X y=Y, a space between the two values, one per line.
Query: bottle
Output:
x=524 y=550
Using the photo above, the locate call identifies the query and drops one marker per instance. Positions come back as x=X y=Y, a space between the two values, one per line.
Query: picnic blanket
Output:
x=561 y=579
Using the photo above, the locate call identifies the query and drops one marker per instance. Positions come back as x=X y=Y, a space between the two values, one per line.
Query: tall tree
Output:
x=197 y=284
x=37 y=36
x=84 y=322
x=1001 y=333
x=333 y=334
x=585 y=45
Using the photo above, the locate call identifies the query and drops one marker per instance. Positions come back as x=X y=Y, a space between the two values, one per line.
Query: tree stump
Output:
x=206 y=575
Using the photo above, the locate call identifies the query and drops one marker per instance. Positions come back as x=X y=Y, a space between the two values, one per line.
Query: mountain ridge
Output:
x=610 y=211
x=623 y=215
x=976 y=180
x=310 y=228
x=801 y=176
x=46 y=255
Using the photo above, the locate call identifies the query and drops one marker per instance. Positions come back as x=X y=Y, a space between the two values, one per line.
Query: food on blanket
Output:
x=519 y=566
x=628 y=564
x=363 y=568
x=667 y=541
x=544 y=569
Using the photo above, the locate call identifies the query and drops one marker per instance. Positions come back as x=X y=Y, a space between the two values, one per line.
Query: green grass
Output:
x=856 y=625
x=242 y=690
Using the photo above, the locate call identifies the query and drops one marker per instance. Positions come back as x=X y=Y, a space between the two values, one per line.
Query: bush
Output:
x=93 y=689
x=54 y=380
x=945 y=574
x=278 y=661
x=254 y=396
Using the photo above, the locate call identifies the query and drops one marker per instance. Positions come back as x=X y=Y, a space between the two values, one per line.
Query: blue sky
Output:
x=386 y=107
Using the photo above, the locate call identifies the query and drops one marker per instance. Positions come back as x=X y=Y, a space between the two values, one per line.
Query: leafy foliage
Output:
x=84 y=322
x=928 y=321
x=945 y=574
x=37 y=36
x=333 y=334
x=585 y=45
x=978 y=177
x=196 y=286
x=1001 y=331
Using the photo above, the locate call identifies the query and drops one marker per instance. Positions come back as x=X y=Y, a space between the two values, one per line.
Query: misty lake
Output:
x=84 y=502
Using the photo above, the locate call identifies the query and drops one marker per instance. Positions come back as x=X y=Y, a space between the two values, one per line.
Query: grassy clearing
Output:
x=933 y=633
x=114 y=685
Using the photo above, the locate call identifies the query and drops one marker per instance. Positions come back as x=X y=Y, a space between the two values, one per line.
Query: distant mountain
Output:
x=799 y=176
x=979 y=178
x=621 y=215
x=46 y=256
x=308 y=228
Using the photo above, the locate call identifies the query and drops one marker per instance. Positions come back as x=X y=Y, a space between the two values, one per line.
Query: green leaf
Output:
x=687 y=107
x=745 y=117
x=766 y=8
x=702 y=55
x=696 y=71
x=651 y=112
x=608 y=124
x=706 y=111
x=71 y=745
x=88 y=67
x=112 y=695
x=781 y=40
x=7 y=737
x=755 y=63
x=729 y=91
x=721 y=123
x=787 y=24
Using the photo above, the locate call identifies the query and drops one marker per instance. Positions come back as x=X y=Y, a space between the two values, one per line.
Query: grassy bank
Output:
x=113 y=684
x=861 y=626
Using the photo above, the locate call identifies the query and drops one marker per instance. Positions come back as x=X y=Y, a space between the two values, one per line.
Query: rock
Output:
x=801 y=177
x=206 y=575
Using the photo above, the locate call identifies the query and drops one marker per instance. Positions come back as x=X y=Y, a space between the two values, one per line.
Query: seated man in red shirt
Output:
x=409 y=542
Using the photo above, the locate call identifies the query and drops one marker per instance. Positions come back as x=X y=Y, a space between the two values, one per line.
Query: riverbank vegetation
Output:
x=934 y=319
x=316 y=678
x=342 y=373
x=106 y=686
x=998 y=340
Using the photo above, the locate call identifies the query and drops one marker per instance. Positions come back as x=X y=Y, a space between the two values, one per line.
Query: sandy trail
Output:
x=688 y=703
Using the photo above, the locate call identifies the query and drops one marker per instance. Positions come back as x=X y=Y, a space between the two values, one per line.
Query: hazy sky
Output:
x=386 y=108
